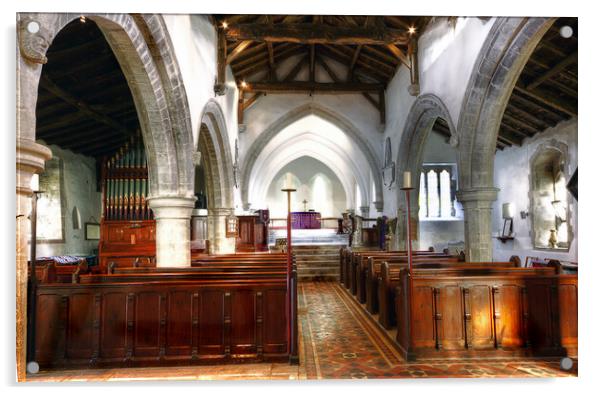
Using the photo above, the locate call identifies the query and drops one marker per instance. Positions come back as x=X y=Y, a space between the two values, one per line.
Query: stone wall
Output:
x=79 y=190
x=511 y=176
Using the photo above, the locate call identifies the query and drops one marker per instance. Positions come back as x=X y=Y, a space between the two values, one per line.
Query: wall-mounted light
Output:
x=524 y=214
x=224 y=25
x=508 y=211
x=243 y=84
x=82 y=19
x=412 y=30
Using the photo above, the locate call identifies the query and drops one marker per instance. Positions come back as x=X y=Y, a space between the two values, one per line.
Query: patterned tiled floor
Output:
x=338 y=340
x=341 y=341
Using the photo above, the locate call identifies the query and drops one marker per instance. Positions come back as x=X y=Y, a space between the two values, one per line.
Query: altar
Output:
x=306 y=220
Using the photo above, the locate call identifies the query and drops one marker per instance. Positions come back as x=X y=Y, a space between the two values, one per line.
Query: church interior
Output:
x=297 y=197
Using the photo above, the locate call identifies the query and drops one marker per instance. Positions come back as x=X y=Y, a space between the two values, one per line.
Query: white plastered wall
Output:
x=511 y=176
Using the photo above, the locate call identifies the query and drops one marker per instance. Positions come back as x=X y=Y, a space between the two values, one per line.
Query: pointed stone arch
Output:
x=326 y=114
x=216 y=155
x=506 y=50
x=419 y=124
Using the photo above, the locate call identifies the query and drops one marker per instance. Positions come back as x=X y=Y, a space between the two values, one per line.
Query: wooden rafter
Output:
x=556 y=103
x=317 y=34
x=310 y=87
x=238 y=50
x=572 y=58
x=50 y=86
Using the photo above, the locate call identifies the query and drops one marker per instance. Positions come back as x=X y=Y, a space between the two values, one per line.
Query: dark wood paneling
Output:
x=212 y=322
x=147 y=324
x=81 y=326
x=114 y=329
x=180 y=317
x=243 y=322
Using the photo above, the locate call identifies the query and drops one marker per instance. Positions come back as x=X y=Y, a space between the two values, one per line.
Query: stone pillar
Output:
x=30 y=160
x=172 y=215
x=402 y=226
x=216 y=226
x=476 y=203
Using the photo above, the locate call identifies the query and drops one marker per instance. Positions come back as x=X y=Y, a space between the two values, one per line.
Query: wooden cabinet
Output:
x=252 y=234
x=127 y=242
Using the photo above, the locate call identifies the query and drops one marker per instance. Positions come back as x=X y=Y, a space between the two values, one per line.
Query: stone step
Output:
x=311 y=258
x=320 y=266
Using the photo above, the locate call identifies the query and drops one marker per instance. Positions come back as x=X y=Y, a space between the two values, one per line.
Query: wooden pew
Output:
x=471 y=314
x=155 y=316
x=356 y=259
x=373 y=267
x=388 y=280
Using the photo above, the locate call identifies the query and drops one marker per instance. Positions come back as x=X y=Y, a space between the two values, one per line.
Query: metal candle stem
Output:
x=289 y=268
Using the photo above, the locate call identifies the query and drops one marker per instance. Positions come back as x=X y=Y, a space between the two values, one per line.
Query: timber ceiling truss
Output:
x=370 y=48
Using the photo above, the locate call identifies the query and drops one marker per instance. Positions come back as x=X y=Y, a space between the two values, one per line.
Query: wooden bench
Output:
x=141 y=316
x=388 y=280
x=355 y=260
x=471 y=314
x=370 y=283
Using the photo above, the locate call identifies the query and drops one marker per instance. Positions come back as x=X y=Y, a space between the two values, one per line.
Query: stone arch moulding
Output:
x=146 y=56
x=510 y=43
x=422 y=116
x=506 y=50
x=328 y=115
x=216 y=155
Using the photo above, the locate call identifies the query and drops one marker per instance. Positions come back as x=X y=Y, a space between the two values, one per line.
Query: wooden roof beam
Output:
x=556 y=103
x=572 y=58
x=317 y=34
x=237 y=50
x=313 y=87
x=47 y=84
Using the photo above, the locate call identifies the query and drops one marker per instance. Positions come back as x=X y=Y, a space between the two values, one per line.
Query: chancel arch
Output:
x=353 y=135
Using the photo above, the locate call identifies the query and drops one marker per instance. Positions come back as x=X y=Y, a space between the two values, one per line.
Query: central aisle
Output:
x=339 y=340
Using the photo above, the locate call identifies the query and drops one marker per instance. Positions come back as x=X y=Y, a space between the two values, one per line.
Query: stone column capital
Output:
x=379 y=206
x=171 y=207
x=30 y=160
x=486 y=194
x=220 y=211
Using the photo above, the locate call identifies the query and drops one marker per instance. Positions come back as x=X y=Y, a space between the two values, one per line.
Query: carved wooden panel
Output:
x=180 y=318
x=80 y=333
x=480 y=325
x=113 y=330
x=423 y=330
x=508 y=314
x=450 y=331
x=211 y=322
x=274 y=329
x=50 y=331
x=567 y=313
x=243 y=322
x=147 y=324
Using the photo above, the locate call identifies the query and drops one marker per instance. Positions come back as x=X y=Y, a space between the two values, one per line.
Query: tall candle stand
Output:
x=289 y=270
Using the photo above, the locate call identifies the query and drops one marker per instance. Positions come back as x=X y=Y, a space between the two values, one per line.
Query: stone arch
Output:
x=422 y=116
x=145 y=53
x=146 y=56
x=506 y=50
x=328 y=115
x=216 y=156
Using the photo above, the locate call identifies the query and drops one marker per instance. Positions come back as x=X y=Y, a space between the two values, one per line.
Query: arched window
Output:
x=437 y=194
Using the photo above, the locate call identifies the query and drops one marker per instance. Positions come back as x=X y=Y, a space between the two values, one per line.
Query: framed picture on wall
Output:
x=92 y=231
